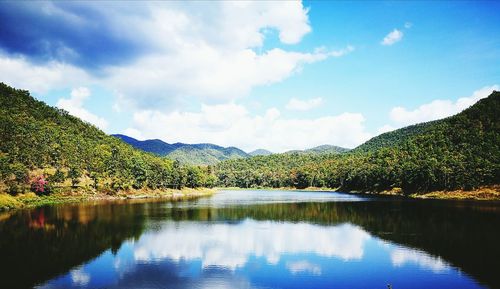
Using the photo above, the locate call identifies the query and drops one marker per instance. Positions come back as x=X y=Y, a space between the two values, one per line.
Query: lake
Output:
x=254 y=239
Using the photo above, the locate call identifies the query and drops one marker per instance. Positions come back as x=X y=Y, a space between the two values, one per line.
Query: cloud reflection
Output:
x=80 y=277
x=230 y=246
x=303 y=266
x=402 y=256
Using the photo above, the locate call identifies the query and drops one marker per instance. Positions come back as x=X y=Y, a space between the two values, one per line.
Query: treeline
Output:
x=42 y=147
x=45 y=146
x=459 y=152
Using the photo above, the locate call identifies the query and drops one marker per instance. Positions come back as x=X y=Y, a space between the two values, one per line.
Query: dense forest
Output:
x=457 y=153
x=44 y=147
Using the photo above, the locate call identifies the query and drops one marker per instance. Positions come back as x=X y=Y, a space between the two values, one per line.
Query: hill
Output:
x=155 y=146
x=461 y=152
x=39 y=142
x=192 y=154
x=260 y=152
x=322 y=149
x=327 y=149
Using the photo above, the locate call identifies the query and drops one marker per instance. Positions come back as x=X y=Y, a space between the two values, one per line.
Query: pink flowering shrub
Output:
x=40 y=186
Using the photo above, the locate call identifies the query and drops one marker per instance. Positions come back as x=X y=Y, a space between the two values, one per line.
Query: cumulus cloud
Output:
x=232 y=124
x=438 y=109
x=302 y=105
x=39 y=78
x=393 y=37
x=74 y=105
x=173 y=51
x=385 y=128
x=208 y=73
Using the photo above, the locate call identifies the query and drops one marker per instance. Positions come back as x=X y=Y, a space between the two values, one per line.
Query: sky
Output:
x=272 y=75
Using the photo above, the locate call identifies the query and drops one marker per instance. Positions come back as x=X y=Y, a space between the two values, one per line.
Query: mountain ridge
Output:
x=193 y=154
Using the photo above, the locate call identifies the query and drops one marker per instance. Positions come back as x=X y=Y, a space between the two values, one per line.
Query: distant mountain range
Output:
x=194 y=154
x=210 y=154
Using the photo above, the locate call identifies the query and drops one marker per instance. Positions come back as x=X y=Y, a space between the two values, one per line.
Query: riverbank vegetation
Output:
x=32 y=200
x=46 y=152
x=459 y=153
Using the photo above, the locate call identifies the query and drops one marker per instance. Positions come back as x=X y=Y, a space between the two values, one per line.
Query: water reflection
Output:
x=317 y=244
x=255 y=254
x=231 y=246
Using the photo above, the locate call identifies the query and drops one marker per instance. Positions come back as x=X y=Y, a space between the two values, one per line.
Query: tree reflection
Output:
x=41 y=244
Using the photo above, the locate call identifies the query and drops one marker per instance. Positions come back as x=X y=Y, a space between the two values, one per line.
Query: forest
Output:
x=460 y=152
x=43 y=148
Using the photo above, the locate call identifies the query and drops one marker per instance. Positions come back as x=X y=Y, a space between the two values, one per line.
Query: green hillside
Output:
x=327 y=149
x=205 y=156
x=42 y=141
x=457 y=153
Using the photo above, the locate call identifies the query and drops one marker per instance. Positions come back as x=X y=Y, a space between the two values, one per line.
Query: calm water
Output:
x=254 y=239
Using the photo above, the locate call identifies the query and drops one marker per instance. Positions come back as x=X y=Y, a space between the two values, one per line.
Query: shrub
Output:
x=40 y=186
x=57 y=177
x=8 y=202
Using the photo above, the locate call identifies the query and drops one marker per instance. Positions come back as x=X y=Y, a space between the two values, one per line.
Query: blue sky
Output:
x=275 y=75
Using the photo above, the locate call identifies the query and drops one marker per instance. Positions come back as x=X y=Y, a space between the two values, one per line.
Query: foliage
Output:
x=36 y=136
x=8 y=202
x=40 y=186
x=460 y=152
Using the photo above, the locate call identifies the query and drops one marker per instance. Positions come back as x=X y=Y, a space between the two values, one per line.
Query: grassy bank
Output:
x=30 y=200
x=482 y=194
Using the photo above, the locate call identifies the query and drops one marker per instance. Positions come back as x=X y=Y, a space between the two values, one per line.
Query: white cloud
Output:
x=393 y=37
x=438 y=109
x=74 y=105
x=232 y=125
x=302 y=105
x=38 y=78
x=208 y=51
x=208 y=73
x=231 y=246
x=385 y=128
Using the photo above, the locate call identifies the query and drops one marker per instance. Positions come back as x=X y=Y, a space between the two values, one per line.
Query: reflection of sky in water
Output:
x=258 y=197
x=262 y=254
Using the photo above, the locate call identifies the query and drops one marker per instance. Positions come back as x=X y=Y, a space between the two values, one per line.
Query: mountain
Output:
x=461 y=152
x=192 y=154
x=155 y=146
x=482 y=116
x=260 y=152
x=327 y=149
x=38 y=140
x=322 y=149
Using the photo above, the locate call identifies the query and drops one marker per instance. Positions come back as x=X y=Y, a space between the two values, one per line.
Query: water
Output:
x=254 y=239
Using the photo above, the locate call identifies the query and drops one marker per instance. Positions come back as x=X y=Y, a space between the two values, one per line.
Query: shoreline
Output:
x=487 y=193
x=82 y=196
x=30 y=200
